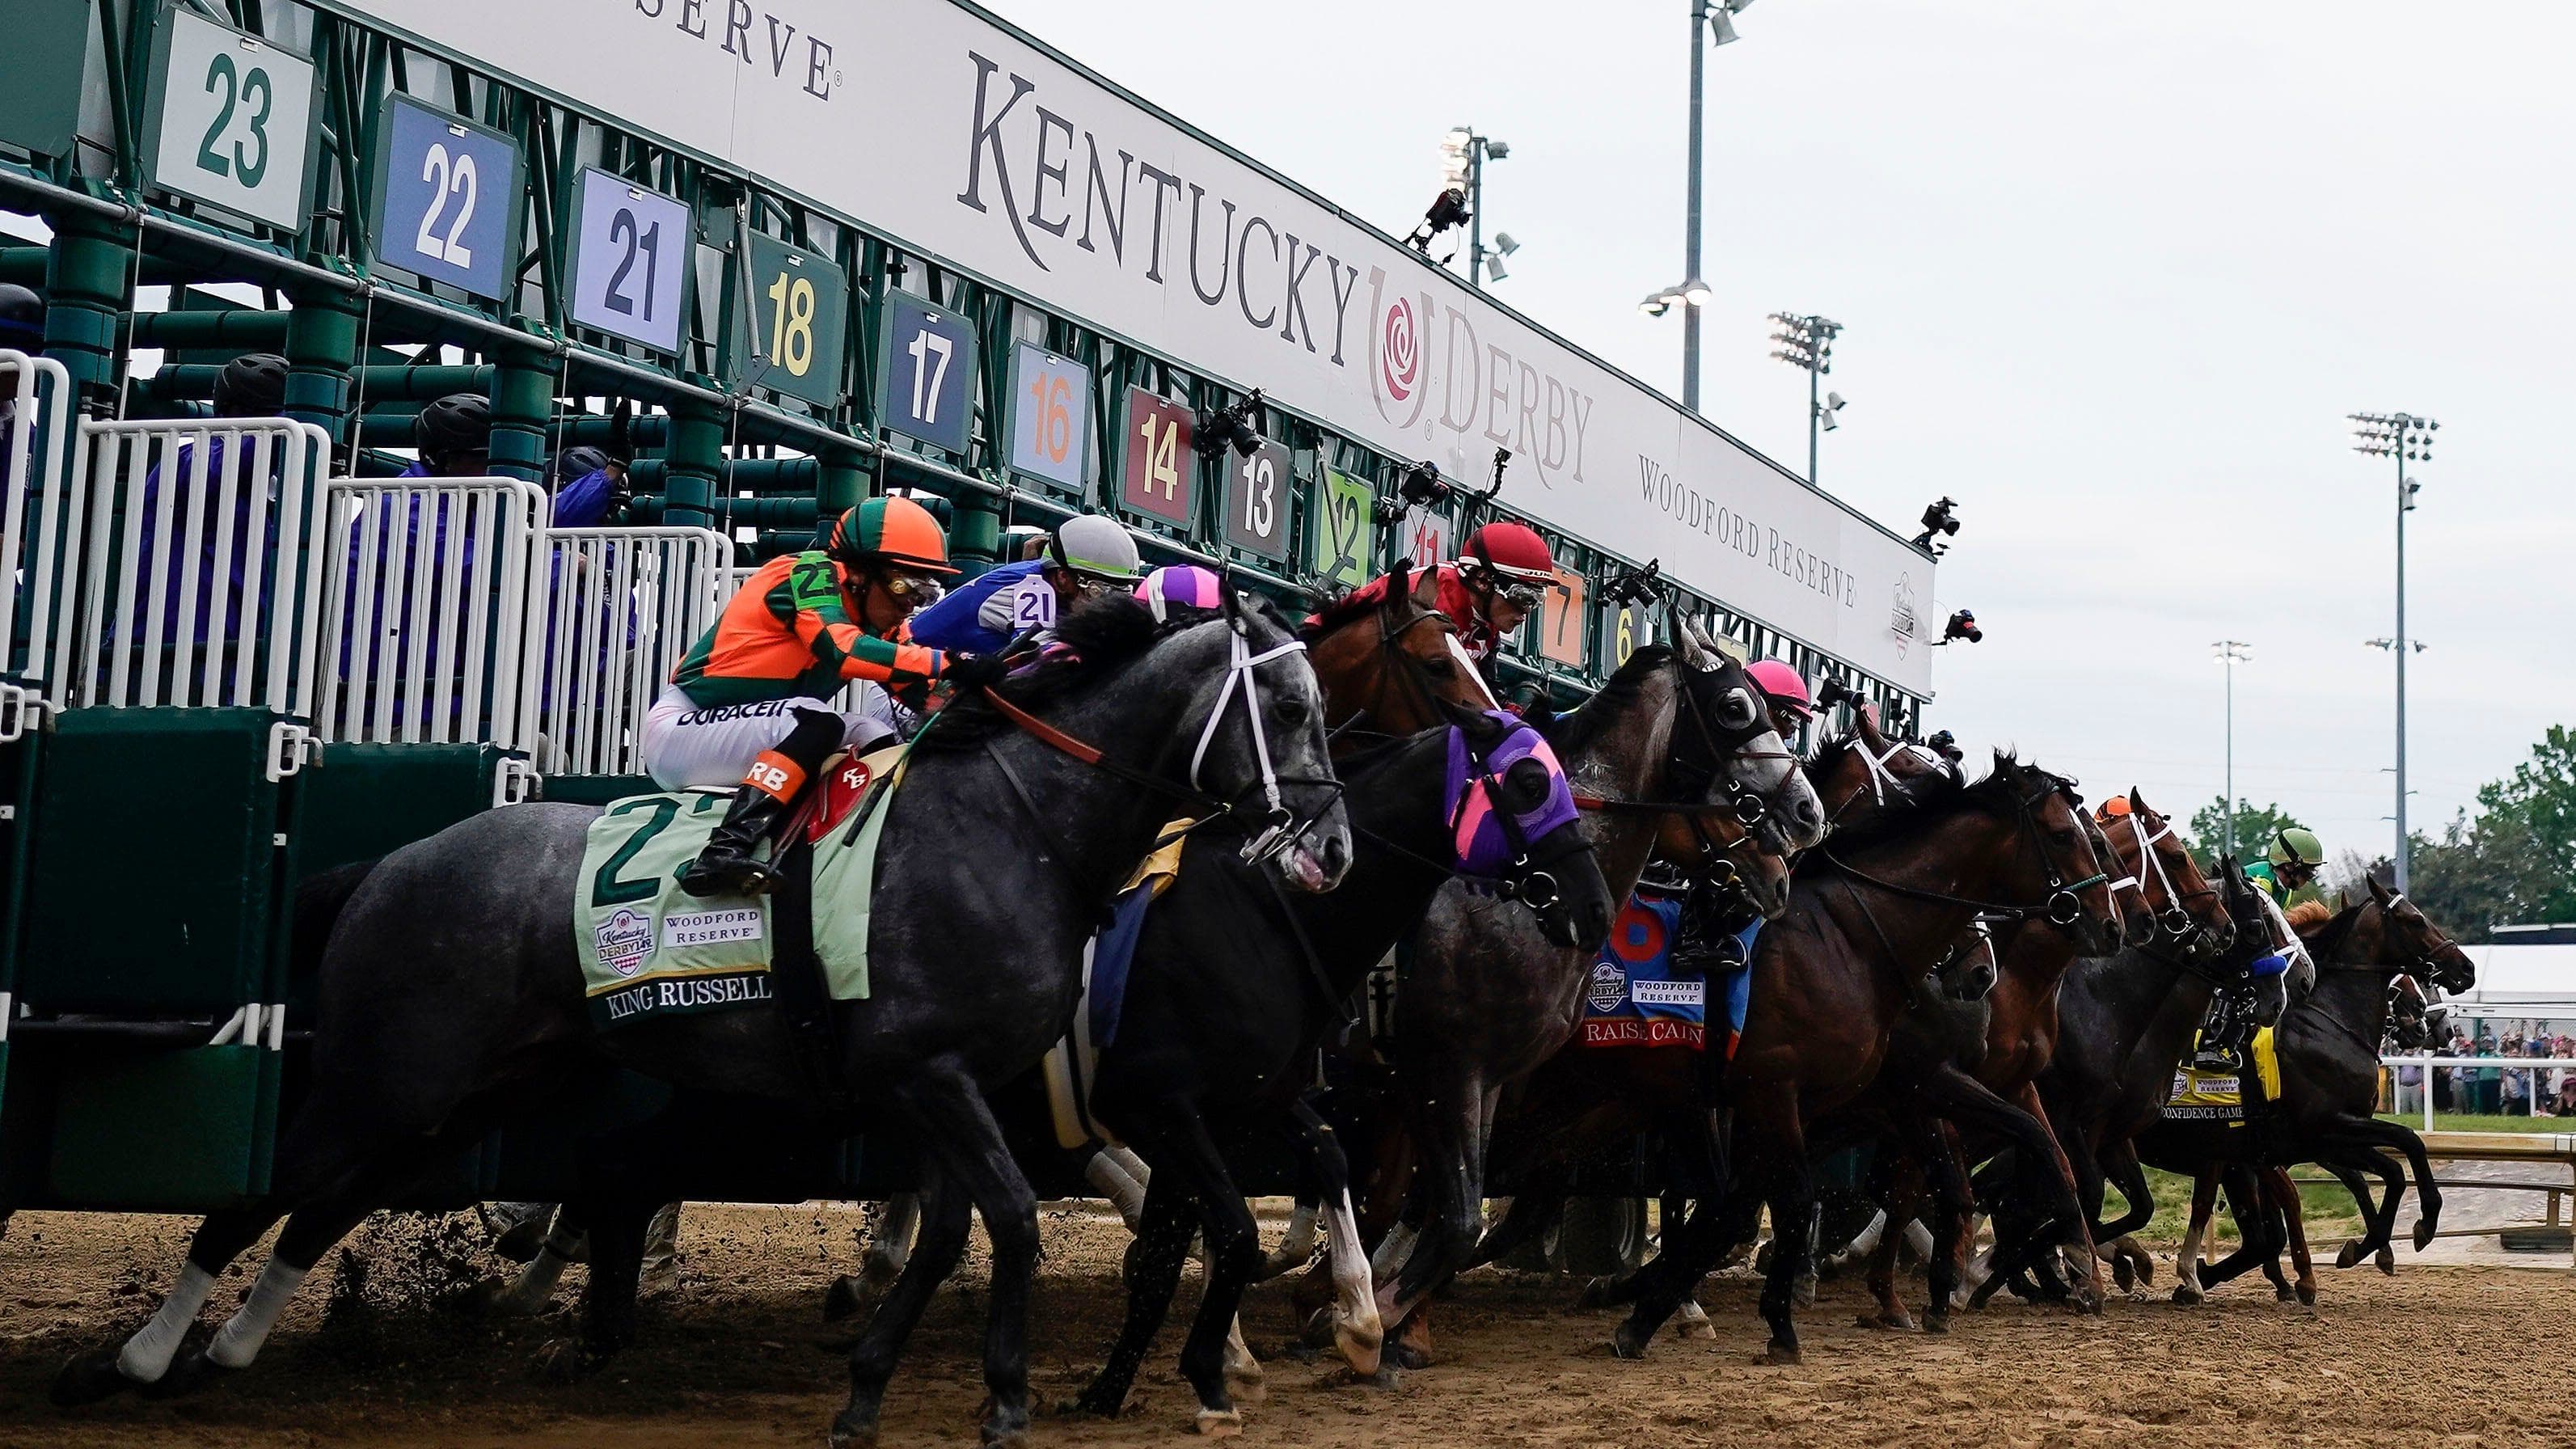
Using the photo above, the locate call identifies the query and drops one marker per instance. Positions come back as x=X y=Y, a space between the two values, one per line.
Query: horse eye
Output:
x=1291 y=709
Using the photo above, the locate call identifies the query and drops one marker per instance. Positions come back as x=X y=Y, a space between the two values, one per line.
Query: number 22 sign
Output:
x=232 y=123
x=449 y=207
x=630 y=263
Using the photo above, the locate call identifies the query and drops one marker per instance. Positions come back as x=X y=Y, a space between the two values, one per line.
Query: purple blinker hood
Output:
x=1482 y=846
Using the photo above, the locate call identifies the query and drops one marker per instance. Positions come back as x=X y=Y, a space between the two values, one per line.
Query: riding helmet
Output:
x=1783 y=685
x=574 y=464
x=22 y=318
x=1180 y=586
x=2296 y=845
x=1513 y=550
x=252 y=385
x=890 y=530
x=1097 y=548
x=460 y=422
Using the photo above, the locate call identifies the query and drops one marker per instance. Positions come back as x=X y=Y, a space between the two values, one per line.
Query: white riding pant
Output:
x=686 y=747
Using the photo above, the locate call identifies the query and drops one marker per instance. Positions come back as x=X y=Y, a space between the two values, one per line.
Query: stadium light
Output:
x=2408 y=439
x=2229 y=653
x=1717 y=19
x=1808 y=341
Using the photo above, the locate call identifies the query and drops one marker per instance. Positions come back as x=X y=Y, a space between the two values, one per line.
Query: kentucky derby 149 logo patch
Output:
x=1608 y=990
x=625 y=941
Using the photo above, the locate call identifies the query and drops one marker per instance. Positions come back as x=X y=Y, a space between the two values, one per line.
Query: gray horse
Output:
x=452 y=996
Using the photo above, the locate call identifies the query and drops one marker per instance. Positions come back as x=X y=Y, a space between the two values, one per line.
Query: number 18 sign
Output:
x=1050 y=415
x=630 y=266
x=449 y=208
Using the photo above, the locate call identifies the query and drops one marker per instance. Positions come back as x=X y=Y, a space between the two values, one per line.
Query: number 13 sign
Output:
x=1050 y=415
x=631 y=265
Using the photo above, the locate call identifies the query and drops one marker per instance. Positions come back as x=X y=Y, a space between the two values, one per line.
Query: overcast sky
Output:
x=2112 y=276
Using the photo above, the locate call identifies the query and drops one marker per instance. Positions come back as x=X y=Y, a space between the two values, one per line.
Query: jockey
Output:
x=1087 y=552
x=2292 y=862
x=1498 y=578
x=1180 y=586
x=1786 y=692
x=748 y=705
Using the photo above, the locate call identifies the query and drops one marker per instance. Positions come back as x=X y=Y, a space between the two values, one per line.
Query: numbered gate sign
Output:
x=229 y=120
x=40 y=73
x=1256 y=501
x=1562 y=619
x=1425 y=540
x=449 y=205
x=1050 y=415
x=798 y=326
x=630 y=261
x=929 y=373
x=1623 y=628
x=1342 y=536
x=1161 y=473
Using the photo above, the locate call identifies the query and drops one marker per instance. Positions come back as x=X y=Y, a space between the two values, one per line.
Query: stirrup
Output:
x=728 y=873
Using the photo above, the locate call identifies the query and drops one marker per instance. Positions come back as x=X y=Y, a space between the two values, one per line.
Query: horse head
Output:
x=1255 y=729
x=1727 y=733
x=2188 y=913
x=1716 y=847
x=2266 y=947
x=1516 y=824
x=2060 y=866
x=1860 y=773
x=1394 y=658
x=2410 y=1015
x=2137 y=914
x=2409 y=939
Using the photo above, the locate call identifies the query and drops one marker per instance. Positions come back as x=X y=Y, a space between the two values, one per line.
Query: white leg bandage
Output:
x=146 y=1356
x=238 y=1341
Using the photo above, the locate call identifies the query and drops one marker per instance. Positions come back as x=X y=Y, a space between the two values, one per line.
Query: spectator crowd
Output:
x=2504 y=1089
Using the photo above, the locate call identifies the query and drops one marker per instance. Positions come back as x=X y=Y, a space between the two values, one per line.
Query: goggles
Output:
x=921 y=588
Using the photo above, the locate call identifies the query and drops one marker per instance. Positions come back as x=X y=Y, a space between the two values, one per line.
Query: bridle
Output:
x=1280 y=825
x=1724 y=741
x=2173 y=920
x=2064 y=904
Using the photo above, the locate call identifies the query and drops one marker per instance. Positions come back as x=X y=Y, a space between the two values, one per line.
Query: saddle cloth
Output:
x=1633 y=997
x=1071 y=1064
x=2219 y=1096
x=648 y=948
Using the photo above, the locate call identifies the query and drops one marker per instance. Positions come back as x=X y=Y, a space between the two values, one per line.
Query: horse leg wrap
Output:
x=1295 y=1249
x=146 y=1356
x=1358 y=1329
x=1125 y=1190
x=238 y=1341
x=536 y=1286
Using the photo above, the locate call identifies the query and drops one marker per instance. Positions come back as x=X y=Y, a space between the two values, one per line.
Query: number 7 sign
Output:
x=1562 y=619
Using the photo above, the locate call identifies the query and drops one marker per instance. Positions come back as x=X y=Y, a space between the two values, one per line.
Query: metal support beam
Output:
x=85 y=295
x=523 y=401
x=321 y=342
x=696 y=460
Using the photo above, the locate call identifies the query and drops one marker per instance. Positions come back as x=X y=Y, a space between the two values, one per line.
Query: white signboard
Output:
x=235 y=125
x=630 y=251
x=929 y=122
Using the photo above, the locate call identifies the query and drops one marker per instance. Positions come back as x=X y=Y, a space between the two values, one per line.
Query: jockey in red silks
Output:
x=1497 y=580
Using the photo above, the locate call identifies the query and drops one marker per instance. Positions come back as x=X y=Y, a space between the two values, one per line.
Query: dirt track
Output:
x=739 y=1356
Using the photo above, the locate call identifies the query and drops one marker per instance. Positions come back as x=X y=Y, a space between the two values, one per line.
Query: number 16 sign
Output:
x=1050 y=415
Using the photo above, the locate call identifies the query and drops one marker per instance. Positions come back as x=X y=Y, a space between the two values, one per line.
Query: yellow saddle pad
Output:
x=2219 y=1096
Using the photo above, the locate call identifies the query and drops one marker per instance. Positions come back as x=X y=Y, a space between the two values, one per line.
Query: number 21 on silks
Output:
x=630 y=261
x=230 y=119
x=447 y=206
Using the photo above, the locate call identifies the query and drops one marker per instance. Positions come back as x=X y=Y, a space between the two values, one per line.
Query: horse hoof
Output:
x=1897 y=1321
x=841 y=1300
x=2186 y=1294
x=1094 y=1402
x=2350 y=1255
x=2387 y=1262
x=2307 y=1295
x=2123 y=1275
x=1595 y=1294
x=1626 y=1342
x=1217 y=1423
x=1936 y=1322
x=1782 y=1353
x=851 y=1432
x=89 y=1379
x=1323 y=1327
x=519 y=1242
x=1804 y=1294
x=565 y=1361
x=1699 y=1328
x=190 y=1371
x=2423 y=1233
x=1362 y=1346
x=2282 y=1293
x=1005 y=1428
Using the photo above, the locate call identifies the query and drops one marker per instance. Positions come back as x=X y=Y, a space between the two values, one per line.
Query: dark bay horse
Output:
x=1869 y=917
x=1678 y=731
x=2328 y=1044
x=1234 y=985
x=451 y=996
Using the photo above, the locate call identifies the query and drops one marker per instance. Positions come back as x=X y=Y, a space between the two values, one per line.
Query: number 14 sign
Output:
x=1161 y=475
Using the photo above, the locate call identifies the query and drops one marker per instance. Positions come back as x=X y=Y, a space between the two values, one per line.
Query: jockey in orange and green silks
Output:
x=747 y=704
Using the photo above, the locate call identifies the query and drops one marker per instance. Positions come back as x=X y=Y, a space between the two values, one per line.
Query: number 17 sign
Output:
x=929 y=373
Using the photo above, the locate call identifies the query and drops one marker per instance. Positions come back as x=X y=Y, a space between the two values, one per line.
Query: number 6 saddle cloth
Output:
x=648 y=948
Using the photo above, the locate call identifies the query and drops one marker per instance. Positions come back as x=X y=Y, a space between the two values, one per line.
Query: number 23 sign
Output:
x=233 y=122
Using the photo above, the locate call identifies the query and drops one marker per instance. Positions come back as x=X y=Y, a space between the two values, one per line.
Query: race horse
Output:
x=452 y=996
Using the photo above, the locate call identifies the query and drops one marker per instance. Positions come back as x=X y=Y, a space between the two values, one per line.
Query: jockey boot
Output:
x=2217 y=1051
x=730 y=865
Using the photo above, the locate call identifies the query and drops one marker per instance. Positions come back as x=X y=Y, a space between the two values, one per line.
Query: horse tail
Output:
x=319 y=899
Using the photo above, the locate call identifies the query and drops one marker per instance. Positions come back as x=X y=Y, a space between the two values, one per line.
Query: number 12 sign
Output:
x=449 y=208
x=1161 y=476
x=1050 y=415
x=929 y=373
x=630 y=265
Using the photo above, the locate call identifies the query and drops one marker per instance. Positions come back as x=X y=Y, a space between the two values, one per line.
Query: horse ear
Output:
x=2137 y=803
x=1399 y=581
x=1426 y=589
x=2378 y=892
x=1686 y=642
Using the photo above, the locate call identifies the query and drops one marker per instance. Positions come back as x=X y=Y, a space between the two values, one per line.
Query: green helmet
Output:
x=2296 y=845
x=1089 y=544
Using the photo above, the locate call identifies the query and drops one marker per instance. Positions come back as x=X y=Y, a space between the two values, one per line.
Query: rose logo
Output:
x=1399 y=350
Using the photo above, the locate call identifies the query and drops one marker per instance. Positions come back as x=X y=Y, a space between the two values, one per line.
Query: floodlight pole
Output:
x=2231 y=652
x=1475 y=210
x=2401 y=649
x=1815 y=421
x=1690 y=235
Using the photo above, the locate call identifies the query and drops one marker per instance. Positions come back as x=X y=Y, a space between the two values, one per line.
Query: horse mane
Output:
x=2309 y=913
x=2331 y=927
x=1581 y=727
x=1830 y=750
x=1102 y=634
x=1337 y=611
x=1937 y=797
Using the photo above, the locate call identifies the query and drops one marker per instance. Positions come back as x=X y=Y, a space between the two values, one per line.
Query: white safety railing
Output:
x=199 y=579
x=35 y=414
x=433 y=588
x=2533 y=1070
x=624 y=604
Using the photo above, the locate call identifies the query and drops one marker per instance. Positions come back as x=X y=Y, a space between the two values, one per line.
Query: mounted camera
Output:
x=1636 y=586
x=1962 y=625
x=1238 y=427
x=1834 y=691
x=1938 y=521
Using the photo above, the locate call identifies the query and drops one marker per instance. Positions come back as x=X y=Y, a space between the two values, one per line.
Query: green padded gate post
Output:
x=975 y=539
x=523 y=397
x=321 y=347
x=85 y=293
x=695 y=461
x=841 y=484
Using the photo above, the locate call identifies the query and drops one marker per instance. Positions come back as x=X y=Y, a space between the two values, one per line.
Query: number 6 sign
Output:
x=449 y=207
x=1050 y=415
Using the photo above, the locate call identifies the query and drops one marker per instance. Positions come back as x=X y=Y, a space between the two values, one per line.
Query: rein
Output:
x=2063 y=907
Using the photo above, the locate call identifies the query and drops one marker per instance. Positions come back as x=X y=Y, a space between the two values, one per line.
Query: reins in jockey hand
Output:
x=2063 y=906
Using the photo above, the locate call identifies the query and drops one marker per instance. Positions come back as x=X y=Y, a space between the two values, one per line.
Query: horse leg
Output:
x=948 y=1112
x=1781 y=1146
x=890 y=1246
x=1450 y=1176
x=2080 y=1226
x=2204 y=1203
x=2295 y=1207
x=2258 y=1239
x=1957 y=1209
x=1903 y=1170
x=1529 y=1216
x=1163 y=1230
x=1357 y=1330
x=1692 y=1246
x=534 y=1289
x=2371 y=1132
x=1233 y=1246
x=945 y=1215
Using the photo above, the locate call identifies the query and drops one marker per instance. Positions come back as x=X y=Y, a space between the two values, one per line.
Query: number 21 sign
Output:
x=449 y=205
x=1161 y=475
x=630 y=264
